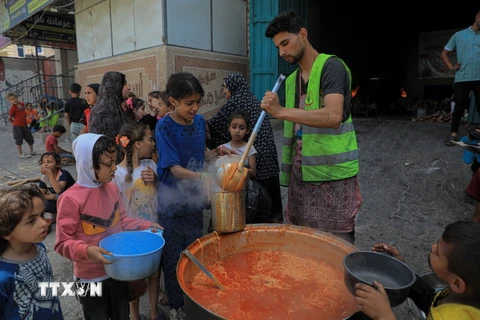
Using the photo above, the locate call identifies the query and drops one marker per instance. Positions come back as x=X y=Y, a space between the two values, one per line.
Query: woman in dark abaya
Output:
x=239 y=96
x=107 y=116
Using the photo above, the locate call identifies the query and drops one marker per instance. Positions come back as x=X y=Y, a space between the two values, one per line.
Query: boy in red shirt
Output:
x=18 y=117
x=51 y=144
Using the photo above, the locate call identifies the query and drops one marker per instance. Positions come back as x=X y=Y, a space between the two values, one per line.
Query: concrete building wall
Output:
x=149 y=69
x=415 y=86
x=213 y=25
x=72 y=59
x=17 y=70
x=12 y=51
x=229 y=26
x=189 y=23
x=148 y=40
x=94 y=34
x=107 y=28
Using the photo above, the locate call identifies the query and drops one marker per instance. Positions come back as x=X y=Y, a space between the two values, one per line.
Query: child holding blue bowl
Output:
x=88 y=212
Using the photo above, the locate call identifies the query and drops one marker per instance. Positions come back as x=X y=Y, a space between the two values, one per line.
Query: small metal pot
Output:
x=228 y=211
x=368 y=266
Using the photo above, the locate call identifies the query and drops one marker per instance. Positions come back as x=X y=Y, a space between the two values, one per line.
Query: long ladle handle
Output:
x=204 y=269
x=258 y=125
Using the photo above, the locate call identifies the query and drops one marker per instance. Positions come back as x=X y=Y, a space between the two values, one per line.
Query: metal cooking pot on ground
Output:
x=296 y=239
x=369 y=266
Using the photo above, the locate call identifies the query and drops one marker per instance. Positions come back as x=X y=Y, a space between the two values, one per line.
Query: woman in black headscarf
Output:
x=108 y=116
x=240 y=97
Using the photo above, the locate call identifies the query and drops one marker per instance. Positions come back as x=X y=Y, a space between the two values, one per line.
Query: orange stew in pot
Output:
x=273 y=285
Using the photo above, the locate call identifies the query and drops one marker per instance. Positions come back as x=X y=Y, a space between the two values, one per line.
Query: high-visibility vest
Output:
x=327 y=154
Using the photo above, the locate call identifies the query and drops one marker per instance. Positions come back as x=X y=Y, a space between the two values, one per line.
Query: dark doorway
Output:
x=380 y=45
x=374 y=41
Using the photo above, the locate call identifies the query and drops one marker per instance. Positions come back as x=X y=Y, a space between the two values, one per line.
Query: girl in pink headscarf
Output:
x=135 y=108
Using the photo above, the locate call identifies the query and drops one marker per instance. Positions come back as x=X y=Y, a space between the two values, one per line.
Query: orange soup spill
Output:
x=273 y=285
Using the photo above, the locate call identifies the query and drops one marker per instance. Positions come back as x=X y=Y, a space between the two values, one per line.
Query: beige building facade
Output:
x=148 y=40
x=19 y=51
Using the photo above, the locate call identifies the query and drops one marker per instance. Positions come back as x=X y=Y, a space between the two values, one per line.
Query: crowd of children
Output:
x=157 y=180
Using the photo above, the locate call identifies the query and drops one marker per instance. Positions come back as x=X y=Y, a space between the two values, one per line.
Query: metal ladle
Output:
x=204 y=269
x=238 y=180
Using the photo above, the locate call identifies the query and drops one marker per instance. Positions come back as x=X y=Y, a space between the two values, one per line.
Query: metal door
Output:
x=283 y=66
x=263 y=54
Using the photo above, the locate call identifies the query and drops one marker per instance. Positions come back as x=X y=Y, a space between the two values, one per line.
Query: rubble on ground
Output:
x=437 y=117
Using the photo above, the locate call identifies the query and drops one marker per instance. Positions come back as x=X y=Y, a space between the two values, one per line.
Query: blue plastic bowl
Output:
x=135 y=254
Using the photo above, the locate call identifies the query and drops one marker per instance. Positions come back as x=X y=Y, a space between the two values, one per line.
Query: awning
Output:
x=13 y=12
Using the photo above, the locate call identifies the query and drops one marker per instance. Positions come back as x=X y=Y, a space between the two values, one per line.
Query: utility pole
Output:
x=39 y=73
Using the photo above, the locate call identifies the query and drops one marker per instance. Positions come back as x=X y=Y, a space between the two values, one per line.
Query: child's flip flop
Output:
x=450 y=141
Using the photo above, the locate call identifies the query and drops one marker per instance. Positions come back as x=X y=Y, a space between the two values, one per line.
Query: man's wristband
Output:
x=205 y=175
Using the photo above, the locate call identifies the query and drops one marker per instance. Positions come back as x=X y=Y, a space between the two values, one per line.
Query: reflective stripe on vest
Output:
x=327 y=154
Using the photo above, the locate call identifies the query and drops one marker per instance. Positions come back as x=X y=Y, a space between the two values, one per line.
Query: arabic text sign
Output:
x=12 y=12
x=47 y=29
x=211 y=80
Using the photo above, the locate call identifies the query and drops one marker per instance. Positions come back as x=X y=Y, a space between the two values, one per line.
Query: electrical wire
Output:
x=29 y=29
x=65 y=5
x=39 y=18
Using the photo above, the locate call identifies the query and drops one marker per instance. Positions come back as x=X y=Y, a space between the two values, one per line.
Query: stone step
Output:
x=8 y=126
x=40 y=136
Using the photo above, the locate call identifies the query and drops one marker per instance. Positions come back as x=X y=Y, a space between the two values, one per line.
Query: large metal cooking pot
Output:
x=228 y=210
x=299 y=240
x=369 y=266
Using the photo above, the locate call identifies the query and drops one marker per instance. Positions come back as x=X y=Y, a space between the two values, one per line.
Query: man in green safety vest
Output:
x=320 y=153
